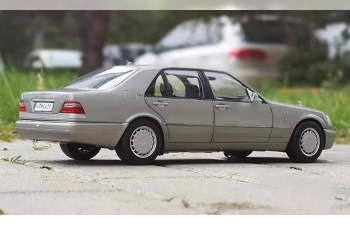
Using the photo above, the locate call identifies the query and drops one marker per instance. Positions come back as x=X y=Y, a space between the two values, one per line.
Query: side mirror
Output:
x=211 y=78
x=254 y=97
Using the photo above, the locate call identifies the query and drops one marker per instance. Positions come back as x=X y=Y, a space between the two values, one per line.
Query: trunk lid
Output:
x=51 y=104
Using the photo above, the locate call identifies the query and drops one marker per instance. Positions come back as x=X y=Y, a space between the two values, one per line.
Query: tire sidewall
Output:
x=71 y=151
x=295 y=151
x=238 y=154
x=126 y=152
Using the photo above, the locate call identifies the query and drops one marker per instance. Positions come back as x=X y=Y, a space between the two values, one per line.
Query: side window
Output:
x=215 y=31
x=156 y=88
x=226 y=88
x=184 y=84
x=200 y=34
x=205 y=33
x=179 y=37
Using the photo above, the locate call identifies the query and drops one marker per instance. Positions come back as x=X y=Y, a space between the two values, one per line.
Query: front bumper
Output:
x=100 y=134
x=330 y=136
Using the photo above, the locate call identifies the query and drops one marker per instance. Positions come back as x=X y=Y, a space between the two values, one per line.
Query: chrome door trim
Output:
x=223 y=125
x=222 y=106
x=160 y=104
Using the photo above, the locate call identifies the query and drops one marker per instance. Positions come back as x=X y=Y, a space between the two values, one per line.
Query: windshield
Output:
x=102 y=78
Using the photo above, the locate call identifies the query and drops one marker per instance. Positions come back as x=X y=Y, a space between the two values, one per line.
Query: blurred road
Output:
x=264 y=183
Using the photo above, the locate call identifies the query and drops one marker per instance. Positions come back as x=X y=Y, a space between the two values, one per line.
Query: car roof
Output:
x=160 y=67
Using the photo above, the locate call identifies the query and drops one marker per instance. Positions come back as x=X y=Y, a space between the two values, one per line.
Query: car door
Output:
x=237 y=119
x=177 y=96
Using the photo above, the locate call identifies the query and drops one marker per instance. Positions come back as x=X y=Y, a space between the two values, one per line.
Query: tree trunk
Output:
x=93 y=32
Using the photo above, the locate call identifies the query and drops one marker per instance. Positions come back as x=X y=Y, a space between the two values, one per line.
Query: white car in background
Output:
x=2 y=66
x=119 y=54
x=54 y=58
x=245 y=48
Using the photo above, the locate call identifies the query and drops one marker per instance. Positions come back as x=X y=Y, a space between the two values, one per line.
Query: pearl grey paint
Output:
x=186 y=124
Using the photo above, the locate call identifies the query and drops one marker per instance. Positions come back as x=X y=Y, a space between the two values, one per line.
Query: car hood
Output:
x=300 y=107
x=295 y=114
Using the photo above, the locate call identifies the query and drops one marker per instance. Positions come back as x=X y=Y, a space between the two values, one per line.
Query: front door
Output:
x=178 y=97
x=237 y=119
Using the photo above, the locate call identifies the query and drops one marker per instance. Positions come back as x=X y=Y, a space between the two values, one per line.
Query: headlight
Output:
x=328 y=119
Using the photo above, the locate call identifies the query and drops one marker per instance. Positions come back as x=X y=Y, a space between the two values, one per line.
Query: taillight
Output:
x=248 y=54
x=22 y=106
x=72 y=107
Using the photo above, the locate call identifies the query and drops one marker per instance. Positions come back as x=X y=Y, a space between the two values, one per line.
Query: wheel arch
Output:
x=312 y=120
x=161 y=126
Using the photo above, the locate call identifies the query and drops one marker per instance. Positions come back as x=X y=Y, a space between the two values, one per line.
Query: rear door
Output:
x=177 y=96
x=237 y=119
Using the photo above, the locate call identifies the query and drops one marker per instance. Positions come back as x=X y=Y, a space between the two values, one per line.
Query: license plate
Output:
x=42 y=106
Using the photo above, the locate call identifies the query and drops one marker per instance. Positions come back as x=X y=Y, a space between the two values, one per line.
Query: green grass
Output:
x=15 y=159
x=334 y=102
x=13 y=83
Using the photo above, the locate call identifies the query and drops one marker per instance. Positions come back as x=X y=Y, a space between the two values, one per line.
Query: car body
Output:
x=115 y=55
x=2 y=66
x=247 y=48
x=54 y=58
x=191 y=109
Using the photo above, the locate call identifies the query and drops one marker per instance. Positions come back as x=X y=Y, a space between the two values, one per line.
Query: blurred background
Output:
x=285 y=55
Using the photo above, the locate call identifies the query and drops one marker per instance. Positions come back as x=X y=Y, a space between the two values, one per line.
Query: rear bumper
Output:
x=330 y=136
x=99 y=134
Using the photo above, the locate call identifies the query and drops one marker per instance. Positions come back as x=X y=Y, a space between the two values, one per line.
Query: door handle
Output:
x=160 y=104
x=222 y=106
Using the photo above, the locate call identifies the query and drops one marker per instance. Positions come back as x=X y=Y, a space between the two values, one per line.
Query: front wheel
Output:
x=80 y=151
x=238 y=154
x=306 y=144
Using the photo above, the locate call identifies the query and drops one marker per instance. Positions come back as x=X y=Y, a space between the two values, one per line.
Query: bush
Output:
x=305 y=67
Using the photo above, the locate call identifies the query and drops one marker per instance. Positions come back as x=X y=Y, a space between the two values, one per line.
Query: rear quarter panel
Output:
x=121 y=104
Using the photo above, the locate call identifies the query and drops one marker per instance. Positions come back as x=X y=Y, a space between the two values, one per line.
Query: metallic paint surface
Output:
x=186 y=124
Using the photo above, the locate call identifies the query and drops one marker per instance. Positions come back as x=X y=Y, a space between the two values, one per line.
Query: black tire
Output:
x=125 y=151
x=294 y=150
x=238 y=154
x=119 y=152
x=80 y=151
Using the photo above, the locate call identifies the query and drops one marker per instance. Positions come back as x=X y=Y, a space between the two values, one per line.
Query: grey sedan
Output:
x=142 y=112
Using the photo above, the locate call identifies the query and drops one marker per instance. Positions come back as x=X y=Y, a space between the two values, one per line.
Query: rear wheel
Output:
x=141 y=143
x=80 y=151
x=306 y=144
x=238 y=154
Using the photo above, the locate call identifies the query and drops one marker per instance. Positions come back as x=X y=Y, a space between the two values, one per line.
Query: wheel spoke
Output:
x=143 y=142
x=309 y=141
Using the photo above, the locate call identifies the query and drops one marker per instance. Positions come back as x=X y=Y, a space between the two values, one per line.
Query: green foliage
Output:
x=40 y=148
x=306 y=67
x=2 y=212
x=15 y=159
x=301 y=65
x=7 y=132
x=14 y=82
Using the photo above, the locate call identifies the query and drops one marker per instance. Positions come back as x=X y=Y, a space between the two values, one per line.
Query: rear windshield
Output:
x=264 y=32
x=270 y=31
x=102 y=78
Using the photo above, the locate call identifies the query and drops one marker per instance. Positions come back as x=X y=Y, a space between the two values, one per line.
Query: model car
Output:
x=142 y=112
